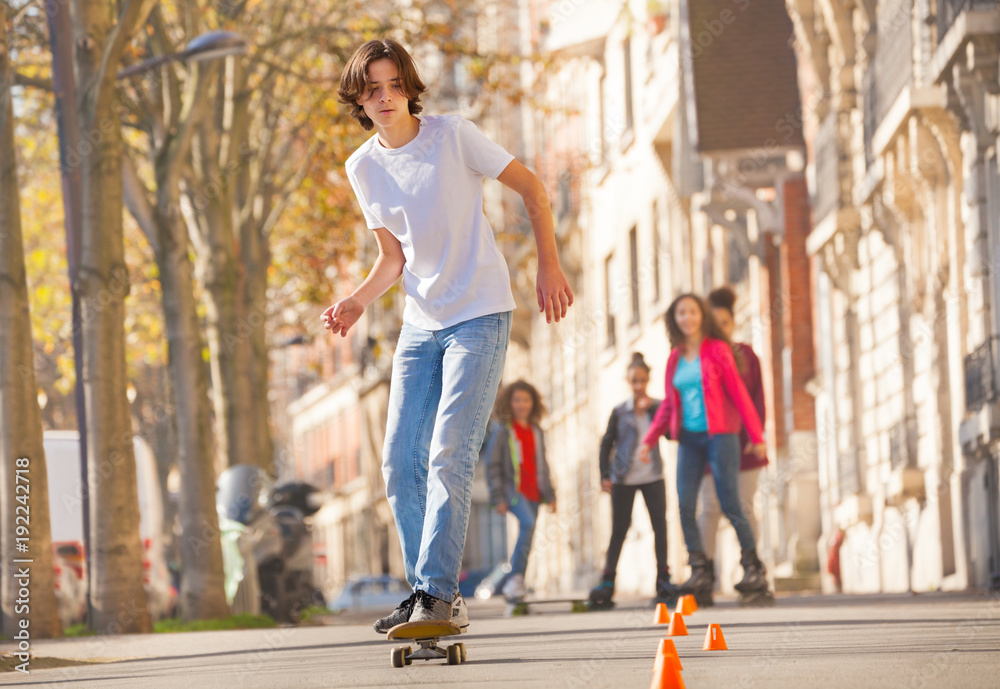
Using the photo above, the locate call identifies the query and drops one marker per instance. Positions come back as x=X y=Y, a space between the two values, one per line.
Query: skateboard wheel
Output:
x=407 y=652
x=454 y=655
x=462 y=649
x=398 y=656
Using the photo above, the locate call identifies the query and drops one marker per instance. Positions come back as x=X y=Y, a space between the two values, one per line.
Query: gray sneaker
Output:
x=427 y=608
x=398 y=616
x=460 y=613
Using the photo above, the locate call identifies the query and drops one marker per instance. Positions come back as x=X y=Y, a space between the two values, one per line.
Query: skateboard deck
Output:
x=422 y=630
x=517 y=607
x=427 y=635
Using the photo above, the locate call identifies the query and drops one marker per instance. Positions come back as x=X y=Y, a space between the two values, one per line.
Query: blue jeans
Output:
x=526 y=512
x=722 y=453
x=444 y=383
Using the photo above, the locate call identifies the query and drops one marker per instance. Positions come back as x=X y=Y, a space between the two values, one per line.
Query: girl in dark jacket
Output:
x=623 y=474
x=519 y=478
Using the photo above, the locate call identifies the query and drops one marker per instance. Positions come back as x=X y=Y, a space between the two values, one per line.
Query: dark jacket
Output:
x=755 y=388
x=622 y=436
x=503 y=466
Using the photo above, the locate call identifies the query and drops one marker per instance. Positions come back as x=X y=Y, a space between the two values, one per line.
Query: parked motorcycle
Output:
x=266 y=543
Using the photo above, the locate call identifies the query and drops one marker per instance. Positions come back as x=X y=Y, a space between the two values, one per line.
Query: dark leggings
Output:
x=622 y=498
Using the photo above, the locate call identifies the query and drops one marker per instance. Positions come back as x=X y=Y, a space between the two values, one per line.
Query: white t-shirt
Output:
x=429 y=195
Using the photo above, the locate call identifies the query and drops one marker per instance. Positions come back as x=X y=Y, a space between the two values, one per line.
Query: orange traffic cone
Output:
x=662 y=615
x=668 y=652
x=714 y=641
x=665 y=676
x=677 y=626
x=686 y=605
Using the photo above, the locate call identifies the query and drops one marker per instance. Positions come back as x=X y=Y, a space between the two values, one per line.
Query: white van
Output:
x=62 y=461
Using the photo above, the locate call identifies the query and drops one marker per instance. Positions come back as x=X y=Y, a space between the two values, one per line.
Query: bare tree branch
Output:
x=137 y=201
x=171 y=90
x=34 y=82
x=314 y=31
x=193 y=107
x=20 y=10
x=285 y=192
x=292 y=73
x=130 y=18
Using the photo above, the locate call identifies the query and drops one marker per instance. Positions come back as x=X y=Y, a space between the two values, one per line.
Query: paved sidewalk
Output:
x=930 y=640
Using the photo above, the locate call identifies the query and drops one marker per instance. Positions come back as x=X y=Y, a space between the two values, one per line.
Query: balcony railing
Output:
x=848 y=474
x=827 y=196
x=981 y=375
x=891 y=68
x=870 y=121
x=894 y=56
x=949 y=10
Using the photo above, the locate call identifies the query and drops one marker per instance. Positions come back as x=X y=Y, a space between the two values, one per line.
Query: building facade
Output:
x=648 y=206
x=903 y=125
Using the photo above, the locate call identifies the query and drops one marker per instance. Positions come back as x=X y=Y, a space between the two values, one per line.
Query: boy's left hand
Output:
x=553 y=292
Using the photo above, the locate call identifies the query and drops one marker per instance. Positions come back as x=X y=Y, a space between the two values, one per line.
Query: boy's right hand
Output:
x=501 y=508
x=340 y=317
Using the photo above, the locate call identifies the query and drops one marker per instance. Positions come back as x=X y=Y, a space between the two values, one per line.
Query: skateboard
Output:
x=427 y=635
x=521 y=606
x=756 y=599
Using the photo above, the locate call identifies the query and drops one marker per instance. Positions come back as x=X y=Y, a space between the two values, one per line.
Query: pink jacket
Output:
x=726 y=397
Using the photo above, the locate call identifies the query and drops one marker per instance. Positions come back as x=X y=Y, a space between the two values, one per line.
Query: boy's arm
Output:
x=553 y=292
x=388 y=267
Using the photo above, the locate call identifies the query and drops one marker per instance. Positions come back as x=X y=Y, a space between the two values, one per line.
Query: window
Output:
x=633 y=250
x=738 y=261
x=565 y=195
x=627 y=50
x=602 y=137
x=609 y=302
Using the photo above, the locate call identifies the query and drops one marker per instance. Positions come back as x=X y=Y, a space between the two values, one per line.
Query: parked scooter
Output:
x=266 y=543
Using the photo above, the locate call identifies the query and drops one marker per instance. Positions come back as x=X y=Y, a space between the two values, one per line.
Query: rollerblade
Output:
x=666 y=591
x=753 y=587
x=702 y=579
x=600 y=596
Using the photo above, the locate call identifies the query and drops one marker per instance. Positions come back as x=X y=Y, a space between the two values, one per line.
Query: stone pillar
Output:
x=799 y=462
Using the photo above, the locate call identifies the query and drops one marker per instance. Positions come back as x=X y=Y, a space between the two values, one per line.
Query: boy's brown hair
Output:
x=354 y=80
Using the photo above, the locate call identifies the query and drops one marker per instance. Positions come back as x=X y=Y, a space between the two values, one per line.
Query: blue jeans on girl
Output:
x=722 y=453
x=526 y=512
x=444 y=383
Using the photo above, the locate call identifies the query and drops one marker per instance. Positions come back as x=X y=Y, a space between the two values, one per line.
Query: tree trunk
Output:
x=203 y=594
x=229 y=327
x=24 y=493
x=118 y=598
x=256 y=259
x=202 y=579
x=228 y=343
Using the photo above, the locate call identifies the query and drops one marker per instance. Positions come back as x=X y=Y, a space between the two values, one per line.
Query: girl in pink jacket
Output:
x=704 y=408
